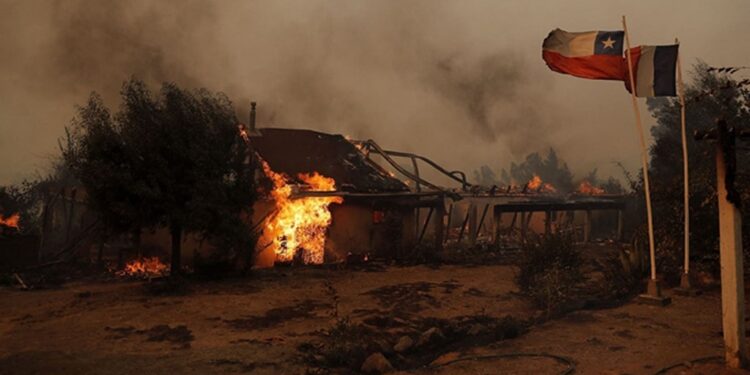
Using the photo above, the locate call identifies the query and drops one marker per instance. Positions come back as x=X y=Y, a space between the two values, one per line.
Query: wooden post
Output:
x=732 y=278
x=654 y=289
x=480 y=226
x=620 y=224
x=547 y=223
x=497 y=218
x=439 y=224
x=587 y=227
x=473 y=223
x=685 y=278
x=448 y=225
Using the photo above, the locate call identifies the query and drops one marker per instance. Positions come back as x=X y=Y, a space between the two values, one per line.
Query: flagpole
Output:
x=685 y=282
x=653 y=286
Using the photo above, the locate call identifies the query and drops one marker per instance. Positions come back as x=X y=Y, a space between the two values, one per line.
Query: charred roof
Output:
x=295 y=151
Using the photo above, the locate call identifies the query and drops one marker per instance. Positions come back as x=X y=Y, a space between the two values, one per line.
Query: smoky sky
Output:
x=460 y=82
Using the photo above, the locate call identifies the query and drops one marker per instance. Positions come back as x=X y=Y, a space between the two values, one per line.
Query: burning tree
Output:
x=550 y=169
x=172 y=159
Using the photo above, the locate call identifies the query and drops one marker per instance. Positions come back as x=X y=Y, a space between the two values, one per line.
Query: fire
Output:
x=536 y=184
x=299 y=226
x=11 y=221
x=587 y=188
x=145 y=268
x=243 y=132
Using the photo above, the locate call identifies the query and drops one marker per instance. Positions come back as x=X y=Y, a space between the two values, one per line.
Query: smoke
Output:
x=460 y=83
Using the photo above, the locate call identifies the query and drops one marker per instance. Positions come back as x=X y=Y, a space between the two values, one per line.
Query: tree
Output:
x=709 y=96
x=172 y=160
x=551 y=169
x=485 y=176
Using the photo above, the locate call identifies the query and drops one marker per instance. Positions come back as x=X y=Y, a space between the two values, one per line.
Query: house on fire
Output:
x=325 y=198
x=375 y=215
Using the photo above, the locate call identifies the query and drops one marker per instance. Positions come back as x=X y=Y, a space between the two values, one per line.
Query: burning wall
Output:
x=296 y=230
x=299 y=226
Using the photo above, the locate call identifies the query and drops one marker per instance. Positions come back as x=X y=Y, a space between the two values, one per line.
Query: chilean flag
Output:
x=592 y=54
x=654 y=70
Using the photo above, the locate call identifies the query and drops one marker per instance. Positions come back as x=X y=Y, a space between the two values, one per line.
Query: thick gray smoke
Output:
x=462 y=83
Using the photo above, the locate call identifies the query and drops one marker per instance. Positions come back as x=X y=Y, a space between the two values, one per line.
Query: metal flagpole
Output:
x=654 y=291
x=685 y=280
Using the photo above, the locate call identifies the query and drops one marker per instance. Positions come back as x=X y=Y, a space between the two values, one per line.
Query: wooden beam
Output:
x=587 y=227
x=732 y=278
x=439 y=226
x=497 y=218
x=473 y=223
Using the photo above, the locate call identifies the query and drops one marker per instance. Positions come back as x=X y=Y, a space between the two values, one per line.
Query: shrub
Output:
x=549 y=271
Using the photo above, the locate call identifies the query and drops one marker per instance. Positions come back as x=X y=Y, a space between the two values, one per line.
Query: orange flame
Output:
x=243 y=132
x=536 y=184
x=299 y=226
x=11 y=221
x=145 y=267
x=587 y=188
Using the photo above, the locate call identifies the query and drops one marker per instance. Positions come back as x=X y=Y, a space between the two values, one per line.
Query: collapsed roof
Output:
x=295 y=151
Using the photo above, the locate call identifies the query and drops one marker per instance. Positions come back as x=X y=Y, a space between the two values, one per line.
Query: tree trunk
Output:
x=176 y=231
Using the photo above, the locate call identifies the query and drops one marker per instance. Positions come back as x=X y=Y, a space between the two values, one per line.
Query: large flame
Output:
x=10 y=221
x=536 y=184
x=587 y=188
x=299 y=226
x=145 y=268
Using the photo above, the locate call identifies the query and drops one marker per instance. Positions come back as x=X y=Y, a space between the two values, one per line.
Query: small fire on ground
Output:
x=588 y=189
x=297 y=231
x=147 y=267
x=536 y=184
x=10 y=221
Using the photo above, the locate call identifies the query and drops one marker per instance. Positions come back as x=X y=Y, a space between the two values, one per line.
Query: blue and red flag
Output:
x=591 y=54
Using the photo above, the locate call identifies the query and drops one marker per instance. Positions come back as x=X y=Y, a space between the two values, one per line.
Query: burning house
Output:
x=331 y=198
x=326 y=201
x=325 y=198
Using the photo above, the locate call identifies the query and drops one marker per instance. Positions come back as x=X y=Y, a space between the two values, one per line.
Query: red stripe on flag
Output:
x=609 y=67
x=635 y=57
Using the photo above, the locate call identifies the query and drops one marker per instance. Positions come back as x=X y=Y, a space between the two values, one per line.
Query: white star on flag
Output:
x=609 y=43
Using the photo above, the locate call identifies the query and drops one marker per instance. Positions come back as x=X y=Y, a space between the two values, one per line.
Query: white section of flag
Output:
x=571 y=44
x=644 y=81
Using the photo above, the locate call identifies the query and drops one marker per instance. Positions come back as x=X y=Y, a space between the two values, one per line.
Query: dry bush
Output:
x=549 y=271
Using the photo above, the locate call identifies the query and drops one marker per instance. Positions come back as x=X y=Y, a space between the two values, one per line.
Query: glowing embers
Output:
x=145 y=268
x=587 y=188
x=537 y=185
x=10 y=221
x=297 y=231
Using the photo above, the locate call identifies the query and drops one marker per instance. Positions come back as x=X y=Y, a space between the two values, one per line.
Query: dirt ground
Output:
x=268 y=323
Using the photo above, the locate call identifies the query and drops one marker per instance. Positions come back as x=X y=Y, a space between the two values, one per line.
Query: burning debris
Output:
x=586 y=188
x=537 y=185
x=10 y=221
x=298 y=229
x=144 y=268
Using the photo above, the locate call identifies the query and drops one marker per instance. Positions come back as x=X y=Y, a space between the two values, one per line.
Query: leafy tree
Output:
x=172 y=159
x=709 y=96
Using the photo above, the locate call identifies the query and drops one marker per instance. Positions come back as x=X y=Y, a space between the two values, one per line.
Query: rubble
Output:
x=430 y=336
x=376 y=363
x=404 y=343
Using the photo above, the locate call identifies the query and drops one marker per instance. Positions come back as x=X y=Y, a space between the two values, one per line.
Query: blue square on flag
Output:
x=609 y=43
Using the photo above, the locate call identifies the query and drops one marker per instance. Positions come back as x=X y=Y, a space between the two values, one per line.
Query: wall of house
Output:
x=357 y=229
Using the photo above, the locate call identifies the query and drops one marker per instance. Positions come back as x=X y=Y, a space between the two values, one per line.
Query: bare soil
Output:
x=277 y=321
